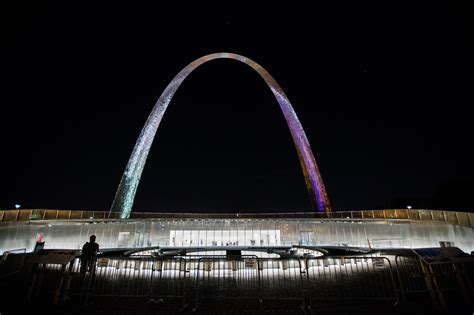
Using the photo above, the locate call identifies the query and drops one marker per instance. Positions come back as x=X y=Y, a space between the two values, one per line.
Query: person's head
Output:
x=92 y=238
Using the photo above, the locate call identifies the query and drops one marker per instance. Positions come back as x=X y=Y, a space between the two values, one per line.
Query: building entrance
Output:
x=224 y=238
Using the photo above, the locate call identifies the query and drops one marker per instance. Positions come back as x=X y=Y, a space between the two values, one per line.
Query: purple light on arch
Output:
x=126 y=191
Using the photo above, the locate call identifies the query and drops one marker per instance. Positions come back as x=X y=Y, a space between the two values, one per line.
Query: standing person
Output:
x=89 y=251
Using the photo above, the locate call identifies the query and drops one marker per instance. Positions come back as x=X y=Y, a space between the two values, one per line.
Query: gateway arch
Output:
x=126 y=191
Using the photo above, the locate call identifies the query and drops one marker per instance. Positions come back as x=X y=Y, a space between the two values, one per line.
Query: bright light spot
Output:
x=17 y=206
x=408 y=207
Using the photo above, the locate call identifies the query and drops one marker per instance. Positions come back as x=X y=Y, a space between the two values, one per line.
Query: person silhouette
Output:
x=89 y=251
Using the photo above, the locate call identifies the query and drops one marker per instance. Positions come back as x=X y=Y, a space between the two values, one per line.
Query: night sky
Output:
x=383 y=90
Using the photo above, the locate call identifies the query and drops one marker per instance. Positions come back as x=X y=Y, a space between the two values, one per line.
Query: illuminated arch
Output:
x=125 y=195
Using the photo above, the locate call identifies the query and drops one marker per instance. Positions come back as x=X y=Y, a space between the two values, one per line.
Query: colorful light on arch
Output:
x=126 y=191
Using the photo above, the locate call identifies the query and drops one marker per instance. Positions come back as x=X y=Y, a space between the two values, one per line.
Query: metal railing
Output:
x=444 y=282
x=198 y=282
x=351 y=278
x=11 y=262
x=451 y=217
x=243 y=283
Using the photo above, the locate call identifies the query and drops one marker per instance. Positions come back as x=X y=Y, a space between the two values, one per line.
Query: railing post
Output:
x=436 y=297
x=303 y=295
x=460 y=279
x=67 y=283
x=392 y=278
x=469 y=220
x=89 y=281
x=150 y=289
x=260 y=297
x=196 y=285
x=59 y=287
x=33 y=274
x=402 y=287
x=457 y=218
x=183 y=303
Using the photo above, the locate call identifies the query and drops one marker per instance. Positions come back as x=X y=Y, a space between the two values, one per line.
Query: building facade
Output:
x=400 y=228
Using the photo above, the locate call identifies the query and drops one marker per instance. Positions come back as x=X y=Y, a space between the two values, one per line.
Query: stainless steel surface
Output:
x=372 y=228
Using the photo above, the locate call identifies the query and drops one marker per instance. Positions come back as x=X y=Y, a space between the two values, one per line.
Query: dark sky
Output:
x=383 y=90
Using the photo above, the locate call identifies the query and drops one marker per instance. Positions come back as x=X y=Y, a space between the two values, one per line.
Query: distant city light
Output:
x=408 y=207
x=17 y=206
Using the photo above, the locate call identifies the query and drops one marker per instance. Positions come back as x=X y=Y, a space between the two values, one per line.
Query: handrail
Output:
x=451 y=217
